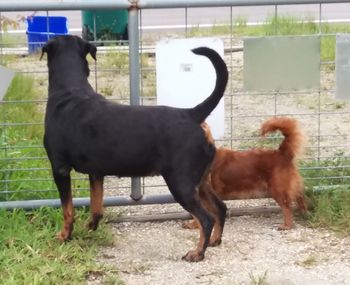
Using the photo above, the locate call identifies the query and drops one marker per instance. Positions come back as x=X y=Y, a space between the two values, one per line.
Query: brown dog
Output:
x=262 y=173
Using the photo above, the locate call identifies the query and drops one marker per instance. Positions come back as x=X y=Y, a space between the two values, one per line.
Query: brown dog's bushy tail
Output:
x=294 y=142
x=203 y=110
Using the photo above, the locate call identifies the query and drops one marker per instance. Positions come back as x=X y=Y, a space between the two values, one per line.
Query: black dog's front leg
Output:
x=96 y=201
x=63 y=184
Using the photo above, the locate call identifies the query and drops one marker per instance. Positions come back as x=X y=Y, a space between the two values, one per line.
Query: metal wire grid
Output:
x=240 y=125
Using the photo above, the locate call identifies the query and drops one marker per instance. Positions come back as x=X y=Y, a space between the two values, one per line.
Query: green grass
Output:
x=30 y=254
x=258 y=280
x=329 y=191
x=24 y=167
x=11 y=40
x=278 y=26
x=29 y=251
x=331 y=210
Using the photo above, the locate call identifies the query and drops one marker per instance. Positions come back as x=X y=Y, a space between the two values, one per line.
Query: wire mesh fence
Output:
x=24 y=168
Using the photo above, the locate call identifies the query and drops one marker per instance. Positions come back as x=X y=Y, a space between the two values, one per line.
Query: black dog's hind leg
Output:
x=186 y=194
x=96 y=201
x=216 y=207
x=63 y=184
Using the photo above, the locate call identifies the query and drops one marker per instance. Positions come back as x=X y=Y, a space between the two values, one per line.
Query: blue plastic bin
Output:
x=41 y=28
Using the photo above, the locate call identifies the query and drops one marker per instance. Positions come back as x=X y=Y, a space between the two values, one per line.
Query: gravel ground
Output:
x=253 y=251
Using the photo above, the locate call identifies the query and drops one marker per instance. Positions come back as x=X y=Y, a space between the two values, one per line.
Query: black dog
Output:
x=86 y=132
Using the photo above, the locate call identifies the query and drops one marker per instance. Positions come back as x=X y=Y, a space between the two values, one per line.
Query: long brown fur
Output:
x=262 y=173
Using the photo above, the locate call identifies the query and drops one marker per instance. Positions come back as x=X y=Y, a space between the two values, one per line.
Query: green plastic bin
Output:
x=110 y=25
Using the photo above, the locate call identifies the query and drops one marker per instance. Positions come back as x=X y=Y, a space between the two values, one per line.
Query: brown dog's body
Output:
x=262 y=173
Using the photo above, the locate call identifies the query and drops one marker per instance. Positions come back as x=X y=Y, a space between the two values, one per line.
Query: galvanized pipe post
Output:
x=134 y=69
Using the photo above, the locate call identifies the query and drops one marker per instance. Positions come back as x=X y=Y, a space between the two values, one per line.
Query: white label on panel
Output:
x=185 y=79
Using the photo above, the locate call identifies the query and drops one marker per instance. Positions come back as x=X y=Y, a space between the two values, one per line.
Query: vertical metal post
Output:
x=1 y=40
x=276 y=29
x=231 y=79
x=47 y=26
x=134 y=69
x=320 y=19
x=276 y=20
x=186 y=23
x=95 y=40
x=4 y=112
x=319 y=89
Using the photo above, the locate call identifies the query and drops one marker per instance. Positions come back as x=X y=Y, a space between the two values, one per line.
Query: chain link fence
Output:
x=25 y=173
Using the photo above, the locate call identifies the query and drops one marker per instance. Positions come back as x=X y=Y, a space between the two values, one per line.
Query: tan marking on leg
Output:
x=68 y=216
x=206 y=194
x=96 y=201
x=198 y=253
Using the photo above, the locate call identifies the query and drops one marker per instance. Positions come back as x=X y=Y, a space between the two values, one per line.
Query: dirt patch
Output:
x=253 y=251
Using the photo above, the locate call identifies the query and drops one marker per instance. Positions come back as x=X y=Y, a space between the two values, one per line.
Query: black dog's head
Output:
x=68 y=47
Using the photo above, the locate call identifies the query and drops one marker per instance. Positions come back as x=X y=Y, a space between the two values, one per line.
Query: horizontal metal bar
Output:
x=327 y=177
x=287 y=115
x=151 y=4
x=39 y=180
x=23 y=101
x=8 y=148
x=324 y=167
x=23 y=169
x=38 y=5
x=25 y=5
x=330 y=187
x=31 y=191
x=83 y=202
x=20 y=124
x=280 y=137
x=24 y=158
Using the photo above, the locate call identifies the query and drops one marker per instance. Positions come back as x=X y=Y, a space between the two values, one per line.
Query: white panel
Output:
x=185 y=79
x=342 y=67
x=6 y=76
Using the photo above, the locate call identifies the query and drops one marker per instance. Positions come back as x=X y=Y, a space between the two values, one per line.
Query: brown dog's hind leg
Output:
x=288 y=219
x=64 y=188
x=285 y=204
x=96 y=201
x=190 y=224
x=301 y=204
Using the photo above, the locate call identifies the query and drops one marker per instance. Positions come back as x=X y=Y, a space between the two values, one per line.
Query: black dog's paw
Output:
x=193 y=256
x=93 y=224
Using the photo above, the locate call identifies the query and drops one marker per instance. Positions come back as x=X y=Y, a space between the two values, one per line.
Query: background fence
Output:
x=125 y=72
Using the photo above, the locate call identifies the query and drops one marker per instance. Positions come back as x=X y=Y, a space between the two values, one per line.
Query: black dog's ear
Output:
x=44 y=49
x=90 y=48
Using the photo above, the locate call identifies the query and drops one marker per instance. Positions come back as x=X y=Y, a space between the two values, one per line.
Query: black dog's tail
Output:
x=203 y=110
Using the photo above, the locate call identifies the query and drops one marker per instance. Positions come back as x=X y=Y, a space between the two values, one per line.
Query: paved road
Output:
x=152 y=19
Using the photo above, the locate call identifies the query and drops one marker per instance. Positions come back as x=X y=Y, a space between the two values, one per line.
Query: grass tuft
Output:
x=30 y=254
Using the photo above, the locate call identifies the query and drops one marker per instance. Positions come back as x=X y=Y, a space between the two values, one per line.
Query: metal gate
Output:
x=125 y=72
